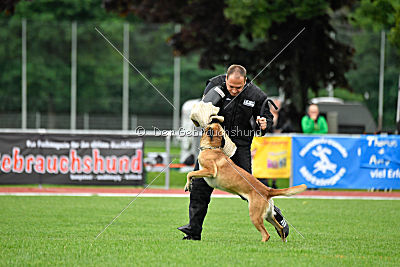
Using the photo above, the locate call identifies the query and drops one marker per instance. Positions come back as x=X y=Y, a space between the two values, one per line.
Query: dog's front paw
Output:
x=188 y=187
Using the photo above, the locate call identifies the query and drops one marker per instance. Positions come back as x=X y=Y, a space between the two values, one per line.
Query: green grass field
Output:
x=61 y=231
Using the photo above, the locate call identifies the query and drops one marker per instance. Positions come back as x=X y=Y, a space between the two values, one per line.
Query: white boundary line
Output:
x=185 y=195
x=347 y=197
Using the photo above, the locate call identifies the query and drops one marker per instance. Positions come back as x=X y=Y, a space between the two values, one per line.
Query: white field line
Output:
x=347 y=197
x=186 y=195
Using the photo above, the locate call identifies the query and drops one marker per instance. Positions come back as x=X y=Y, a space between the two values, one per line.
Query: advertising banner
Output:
x=70 y=159
x=364 y=162
x=272 y=156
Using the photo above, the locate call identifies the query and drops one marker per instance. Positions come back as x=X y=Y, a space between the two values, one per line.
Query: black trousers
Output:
x=201 y=191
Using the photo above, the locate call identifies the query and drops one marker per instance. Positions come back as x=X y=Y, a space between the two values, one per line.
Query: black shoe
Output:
x=282 y=222
x=189 y=237
x=186 y=229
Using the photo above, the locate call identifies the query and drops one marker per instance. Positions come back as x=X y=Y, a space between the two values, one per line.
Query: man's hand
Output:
x=314 y=117
x=262 y=122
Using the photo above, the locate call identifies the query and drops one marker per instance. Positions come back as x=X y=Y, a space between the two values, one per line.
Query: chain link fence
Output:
x=99 y=81
x=86 y=121
x=100 y=75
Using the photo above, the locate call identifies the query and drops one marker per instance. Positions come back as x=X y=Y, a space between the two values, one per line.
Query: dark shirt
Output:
x=239 y=111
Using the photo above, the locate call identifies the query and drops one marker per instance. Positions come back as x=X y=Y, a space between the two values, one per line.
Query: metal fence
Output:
x=85 y=122
x=45 y=64
x=72 y=75
x=376 y=76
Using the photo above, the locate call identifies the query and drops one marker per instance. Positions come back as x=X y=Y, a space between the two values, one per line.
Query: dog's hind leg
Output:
x=256 y=211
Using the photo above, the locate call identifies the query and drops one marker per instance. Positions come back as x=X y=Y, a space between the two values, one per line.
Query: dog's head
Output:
x=213 y=135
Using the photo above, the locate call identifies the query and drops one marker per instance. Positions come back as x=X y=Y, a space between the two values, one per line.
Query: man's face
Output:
x=313 y=112
x=235 y=84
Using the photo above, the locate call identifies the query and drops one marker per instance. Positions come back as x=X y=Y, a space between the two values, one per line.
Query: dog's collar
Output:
x=209 y=147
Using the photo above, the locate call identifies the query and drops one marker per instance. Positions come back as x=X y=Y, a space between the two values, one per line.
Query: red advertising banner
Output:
x=31 y=158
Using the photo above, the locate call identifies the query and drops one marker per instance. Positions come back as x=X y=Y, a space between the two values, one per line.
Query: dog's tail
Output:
x=287 y=191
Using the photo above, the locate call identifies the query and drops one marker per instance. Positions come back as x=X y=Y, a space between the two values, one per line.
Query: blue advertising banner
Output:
x=367 y=161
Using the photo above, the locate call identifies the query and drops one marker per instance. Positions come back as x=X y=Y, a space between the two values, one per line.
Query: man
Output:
x=313 y=123
x=240 y=104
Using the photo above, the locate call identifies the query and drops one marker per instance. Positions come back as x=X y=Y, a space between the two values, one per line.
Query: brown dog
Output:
x=220 y=172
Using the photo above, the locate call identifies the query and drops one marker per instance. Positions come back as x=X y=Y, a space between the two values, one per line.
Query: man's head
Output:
x=235 y=79
x=313 y=111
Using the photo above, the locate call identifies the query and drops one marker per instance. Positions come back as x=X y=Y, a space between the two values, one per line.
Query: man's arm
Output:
x=214 y=91
x=209 y=86
x=214 y=81
x=307 y=124
x=323 y=125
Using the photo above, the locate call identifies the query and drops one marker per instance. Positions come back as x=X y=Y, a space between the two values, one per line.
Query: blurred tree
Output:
x=8 y=6
x=10 y=66
x=251 y=33
x=380 y=15
x=49 y=55
x=377 y=15
x=99 y=77
x=223 y=32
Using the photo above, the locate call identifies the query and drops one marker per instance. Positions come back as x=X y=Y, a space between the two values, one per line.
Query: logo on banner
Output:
x=321 y=169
